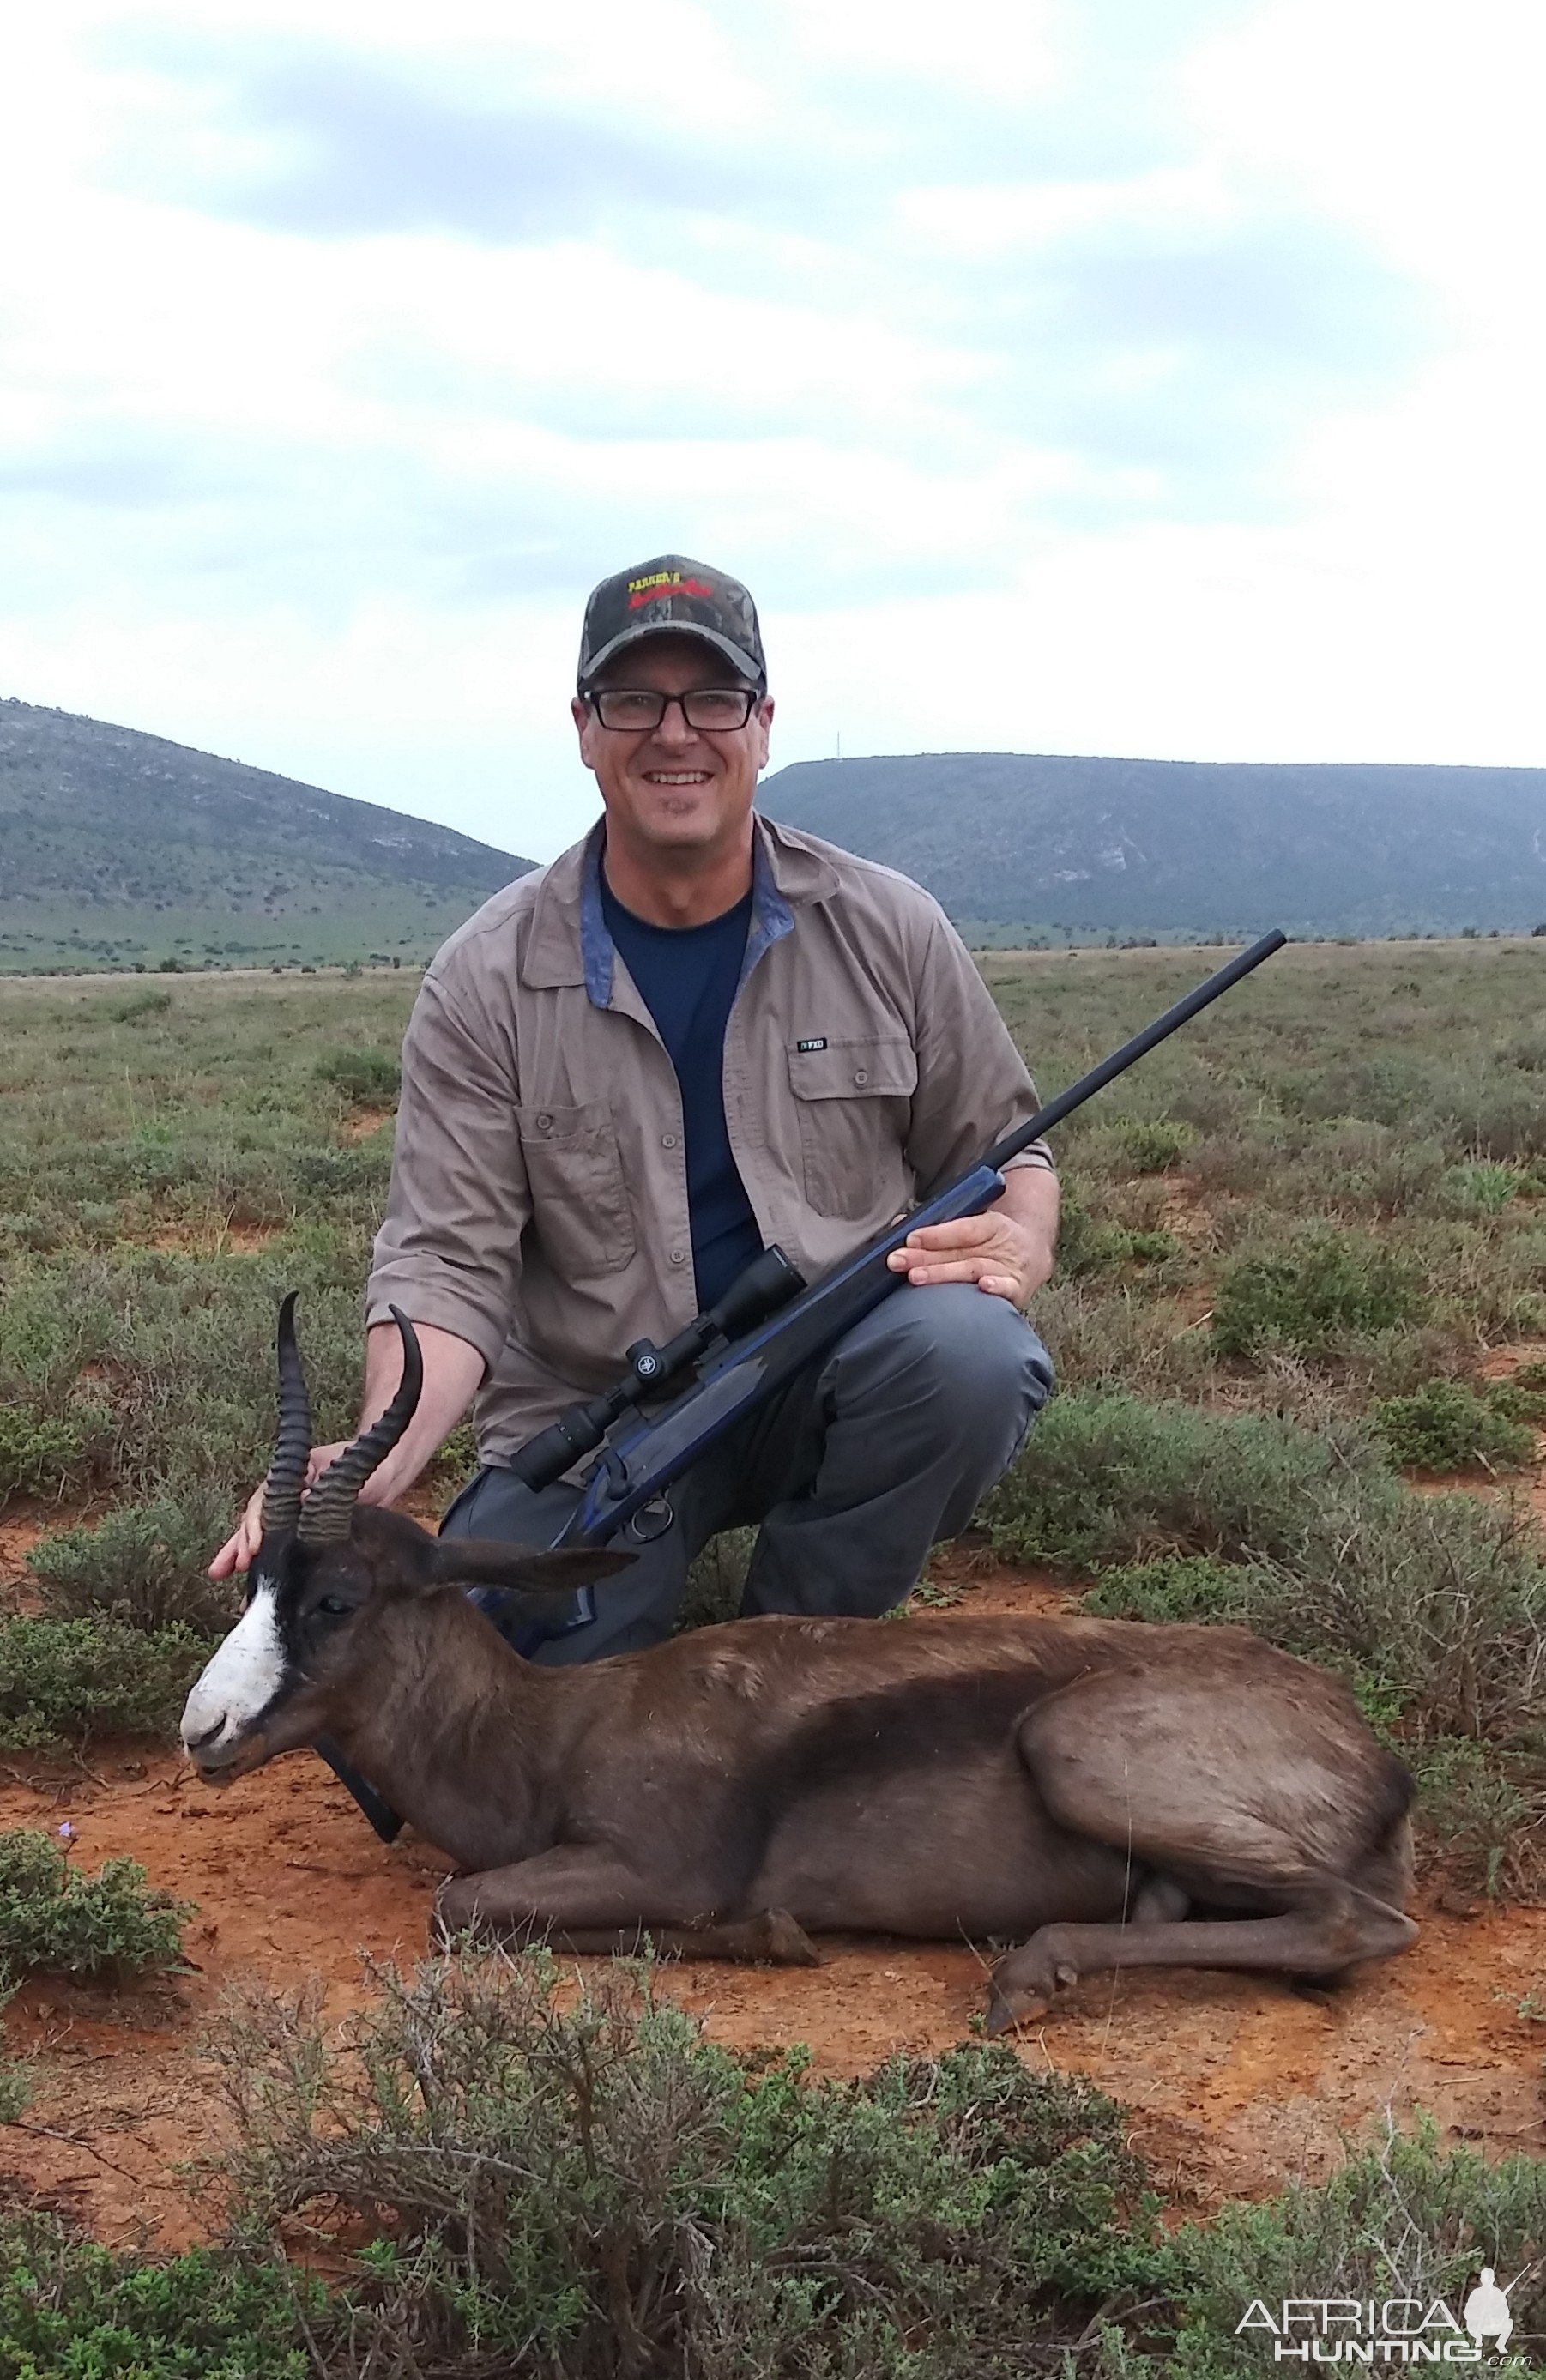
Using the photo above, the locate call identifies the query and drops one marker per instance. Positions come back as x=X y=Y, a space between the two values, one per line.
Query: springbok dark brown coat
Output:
x=1102 y=1793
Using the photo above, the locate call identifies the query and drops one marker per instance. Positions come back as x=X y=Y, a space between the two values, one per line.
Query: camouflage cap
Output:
x=688 y=598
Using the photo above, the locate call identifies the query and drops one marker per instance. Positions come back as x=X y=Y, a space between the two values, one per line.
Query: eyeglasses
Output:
x=713 y=710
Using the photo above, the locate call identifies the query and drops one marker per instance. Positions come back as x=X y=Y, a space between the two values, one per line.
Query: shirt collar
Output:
x=569 y=943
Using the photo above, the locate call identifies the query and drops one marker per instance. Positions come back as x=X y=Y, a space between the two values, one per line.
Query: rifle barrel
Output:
x=1200 y=997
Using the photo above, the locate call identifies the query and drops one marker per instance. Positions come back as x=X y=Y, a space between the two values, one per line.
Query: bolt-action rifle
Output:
x=768 y=1326
x=766 y=1329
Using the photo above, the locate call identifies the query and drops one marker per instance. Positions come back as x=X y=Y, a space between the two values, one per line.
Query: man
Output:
x=693 y=1035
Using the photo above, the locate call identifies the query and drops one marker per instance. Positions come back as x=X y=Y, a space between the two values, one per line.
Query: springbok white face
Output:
x=241 y=1679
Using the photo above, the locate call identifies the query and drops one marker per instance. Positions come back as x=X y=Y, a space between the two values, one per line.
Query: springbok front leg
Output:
x=585 y=1900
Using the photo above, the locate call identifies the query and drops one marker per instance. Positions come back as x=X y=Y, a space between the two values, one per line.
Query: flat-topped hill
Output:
x=1010 y=840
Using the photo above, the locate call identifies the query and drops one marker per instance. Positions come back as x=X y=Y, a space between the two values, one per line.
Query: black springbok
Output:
x=1121 y=1794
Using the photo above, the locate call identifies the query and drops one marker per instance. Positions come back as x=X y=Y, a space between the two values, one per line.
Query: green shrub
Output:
x=138 y=1005
x=1321 y=1291
x=368 y=1078
x=1172 y=1587
x=1087 y=1244
x=68 y=2307
x=1474 y=1804
x=63 y=1680
x=56 y=1920
x=143 y=1565
x=38 y=1453
x=16 y=2096
x=1109 y=1480
x=1485 y=1188
x=1404 y=2218
x=1154 y=1145
x=546 y=2177
x=1448 y=1427
x=512 y=2189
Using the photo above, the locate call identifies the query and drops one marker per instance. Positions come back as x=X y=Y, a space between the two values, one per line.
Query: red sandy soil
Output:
x=1237 y=2081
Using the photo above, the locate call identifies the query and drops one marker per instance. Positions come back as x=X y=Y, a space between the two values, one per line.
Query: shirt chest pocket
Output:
x=580 y=1207
x=854 y=1102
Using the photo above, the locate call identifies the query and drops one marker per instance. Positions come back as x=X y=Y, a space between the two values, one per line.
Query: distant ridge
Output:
x=121 y=849
x=1036 y=843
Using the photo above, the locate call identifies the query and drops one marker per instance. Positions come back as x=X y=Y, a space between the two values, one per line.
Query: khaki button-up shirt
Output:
x=538 y=1202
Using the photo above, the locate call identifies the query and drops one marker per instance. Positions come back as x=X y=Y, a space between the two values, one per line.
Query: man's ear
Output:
x=526 y=1570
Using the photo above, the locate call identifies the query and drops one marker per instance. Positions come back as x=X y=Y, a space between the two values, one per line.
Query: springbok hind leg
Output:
x=1253 y=1782
x=1333 y=1926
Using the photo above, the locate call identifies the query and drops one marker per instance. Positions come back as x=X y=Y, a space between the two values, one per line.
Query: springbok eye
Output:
x=336 y=1606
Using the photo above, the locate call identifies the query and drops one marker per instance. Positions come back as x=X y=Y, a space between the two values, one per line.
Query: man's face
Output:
x=674 y=787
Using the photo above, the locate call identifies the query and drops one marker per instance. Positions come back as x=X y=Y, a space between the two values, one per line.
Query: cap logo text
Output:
x=663 y=586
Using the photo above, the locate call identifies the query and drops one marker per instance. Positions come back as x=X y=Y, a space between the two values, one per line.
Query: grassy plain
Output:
x=1301 y=1332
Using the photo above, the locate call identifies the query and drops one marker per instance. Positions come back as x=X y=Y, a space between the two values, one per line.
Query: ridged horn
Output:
x=292 y=1444
x=326 y=1515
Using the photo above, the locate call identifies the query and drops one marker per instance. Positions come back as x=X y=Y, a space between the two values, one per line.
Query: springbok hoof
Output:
x=788 y=1945
x=1026 y=1985
x=1004 y=2016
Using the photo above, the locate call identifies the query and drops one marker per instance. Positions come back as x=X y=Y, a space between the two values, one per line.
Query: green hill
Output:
x=119 y=849
x=1016 y=842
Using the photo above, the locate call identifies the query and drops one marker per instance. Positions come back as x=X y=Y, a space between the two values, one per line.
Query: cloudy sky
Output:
x=1139 y=376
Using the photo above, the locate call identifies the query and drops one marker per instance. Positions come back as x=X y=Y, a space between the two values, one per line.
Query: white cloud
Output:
x=1087 y=377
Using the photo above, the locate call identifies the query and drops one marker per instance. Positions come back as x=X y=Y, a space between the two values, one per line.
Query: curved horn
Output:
x=292 y=1444
x=326 y=1515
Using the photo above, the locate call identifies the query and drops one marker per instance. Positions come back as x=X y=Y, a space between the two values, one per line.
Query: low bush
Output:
x=509 y=2190
x=56 y=1920
x=1485 y=1188
x=715 y=1581
x=143 y=1565
x=1174 y=1587
x=586 y=2187
x=1109 y=1480
x=1446 y=1425
x=1153 y=1144
x=63 y=1681
x=1479 y=1807
x=68 y=2306
x=41 y=1454
x=1091 y=1245
x=138 y=1005
x=368 y=1077
x=1403 y=2219
x=1326 y=1288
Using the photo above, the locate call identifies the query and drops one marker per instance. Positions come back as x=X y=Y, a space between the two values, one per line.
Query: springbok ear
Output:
x=526 y=1570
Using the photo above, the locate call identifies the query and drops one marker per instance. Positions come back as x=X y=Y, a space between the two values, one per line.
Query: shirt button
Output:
x=678 y=1255
x=668 y=1140
x=860 y=1077
x=544 y=1123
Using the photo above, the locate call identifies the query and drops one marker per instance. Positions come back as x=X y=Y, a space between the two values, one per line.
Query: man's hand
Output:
x=239 y=1547
x=452 y=1371
x=1007 y=1251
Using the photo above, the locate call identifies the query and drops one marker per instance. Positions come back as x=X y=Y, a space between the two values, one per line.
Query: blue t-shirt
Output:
x=687 y=977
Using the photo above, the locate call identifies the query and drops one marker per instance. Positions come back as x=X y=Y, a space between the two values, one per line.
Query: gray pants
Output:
x=853 y=1471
